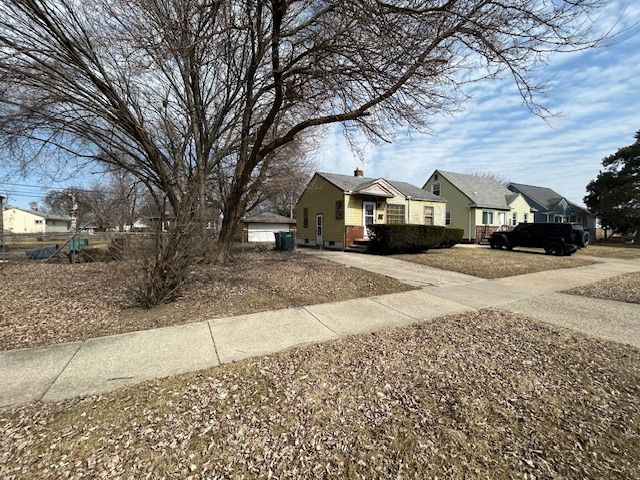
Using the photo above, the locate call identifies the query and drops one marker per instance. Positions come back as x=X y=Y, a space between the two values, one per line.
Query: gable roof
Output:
x=482 y=191
x=268 y=217
x=545 y=196
x=351 y=184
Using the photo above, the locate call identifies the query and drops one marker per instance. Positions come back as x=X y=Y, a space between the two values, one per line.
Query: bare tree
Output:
x=179 y=91
x=498 y=177
x=115 y=202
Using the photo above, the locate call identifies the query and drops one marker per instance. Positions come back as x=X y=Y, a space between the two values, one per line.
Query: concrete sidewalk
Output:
x=102 y=364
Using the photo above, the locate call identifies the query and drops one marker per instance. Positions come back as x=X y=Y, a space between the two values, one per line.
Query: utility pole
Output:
x=73 y=210
x=2 y=229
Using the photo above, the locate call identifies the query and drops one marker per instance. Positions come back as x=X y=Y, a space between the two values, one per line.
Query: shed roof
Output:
x=268 y=217
x=351 y=183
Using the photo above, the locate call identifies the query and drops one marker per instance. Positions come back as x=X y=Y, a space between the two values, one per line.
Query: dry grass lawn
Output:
x=41 y=304
x=613 y=250
x=623 y=288
x=479 y=395
x=487 y=263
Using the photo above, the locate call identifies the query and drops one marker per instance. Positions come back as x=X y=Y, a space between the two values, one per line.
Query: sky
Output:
x=594 y=96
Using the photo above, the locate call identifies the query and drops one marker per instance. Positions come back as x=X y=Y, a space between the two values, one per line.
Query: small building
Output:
x=477 y=204
x=335 y=210
x=17 y=220
x=551 y=207
x=263 y=226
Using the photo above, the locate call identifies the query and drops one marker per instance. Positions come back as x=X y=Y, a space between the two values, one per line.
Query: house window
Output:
x=447 y=219
x=395 y=213
x=435 y=189
x=38 y=222
x=579 y=219
x=526 y=217
x=428 y=215
x=339 y=209
x=572 y=219
x=487 y=217
x=305 y=218
x=558 y=219
x=514 y=219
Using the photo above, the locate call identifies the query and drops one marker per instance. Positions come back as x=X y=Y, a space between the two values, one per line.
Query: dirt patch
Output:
x=41 y=304
x=623 y=288
x=488 y=263
x=483 y=395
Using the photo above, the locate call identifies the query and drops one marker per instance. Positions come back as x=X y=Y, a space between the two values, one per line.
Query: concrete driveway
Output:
x=406 y=272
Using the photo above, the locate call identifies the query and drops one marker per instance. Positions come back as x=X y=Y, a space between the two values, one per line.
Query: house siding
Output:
x=458 y=206
x=520 y=206
x=18 y=221
x=320 y=197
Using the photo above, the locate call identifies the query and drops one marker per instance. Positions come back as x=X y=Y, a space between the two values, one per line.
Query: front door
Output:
x=368 y=215
x=319 y=229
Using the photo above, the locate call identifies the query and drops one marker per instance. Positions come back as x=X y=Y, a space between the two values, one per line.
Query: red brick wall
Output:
x=481 y=232
x=353 y=233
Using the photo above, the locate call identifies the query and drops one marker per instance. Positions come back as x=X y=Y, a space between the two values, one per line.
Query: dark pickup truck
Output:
x=555 y=238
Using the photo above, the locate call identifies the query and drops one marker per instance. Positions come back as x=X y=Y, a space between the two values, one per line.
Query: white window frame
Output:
x=525 y=218
x=488 y=213
x=447 y=218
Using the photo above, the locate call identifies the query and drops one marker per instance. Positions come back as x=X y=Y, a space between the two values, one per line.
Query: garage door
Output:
x=263 y=232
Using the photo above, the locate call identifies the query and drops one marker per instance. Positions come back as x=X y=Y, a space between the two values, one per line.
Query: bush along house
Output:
x=335 y=210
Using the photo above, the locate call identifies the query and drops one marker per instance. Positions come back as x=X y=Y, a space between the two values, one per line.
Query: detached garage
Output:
x=261 y=227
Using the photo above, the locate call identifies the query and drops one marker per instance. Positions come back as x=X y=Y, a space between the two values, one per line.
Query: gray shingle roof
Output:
x=268 y=217
x=482 y=191
x=350 y=183
x=546 y=197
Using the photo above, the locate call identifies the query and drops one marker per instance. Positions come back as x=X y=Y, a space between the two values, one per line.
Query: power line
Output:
x=49 y=189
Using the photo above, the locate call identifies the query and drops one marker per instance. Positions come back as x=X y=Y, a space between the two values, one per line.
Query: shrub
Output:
x=451 y=237
x=388 y=239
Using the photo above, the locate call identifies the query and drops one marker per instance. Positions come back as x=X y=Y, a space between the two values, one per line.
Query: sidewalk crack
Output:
x=322 y=323
x=61 y=372
x=396 y=310
x=214 y=343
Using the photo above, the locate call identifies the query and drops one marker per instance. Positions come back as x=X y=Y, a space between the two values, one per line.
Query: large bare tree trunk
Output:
x=636 y=239
x=233 y=211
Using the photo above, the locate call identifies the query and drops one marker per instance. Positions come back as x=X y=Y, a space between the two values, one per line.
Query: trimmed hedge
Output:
x=452 y=236
x=404 y=238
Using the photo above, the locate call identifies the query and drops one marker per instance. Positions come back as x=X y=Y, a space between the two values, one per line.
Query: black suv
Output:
x=555 y=238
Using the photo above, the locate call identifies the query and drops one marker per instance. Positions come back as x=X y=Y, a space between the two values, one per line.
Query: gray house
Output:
x=551 y=207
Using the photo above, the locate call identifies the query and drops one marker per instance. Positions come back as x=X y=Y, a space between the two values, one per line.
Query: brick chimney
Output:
x=358 y=172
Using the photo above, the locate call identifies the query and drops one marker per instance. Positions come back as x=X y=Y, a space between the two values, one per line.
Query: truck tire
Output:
x=554 y=248
x=583 y=239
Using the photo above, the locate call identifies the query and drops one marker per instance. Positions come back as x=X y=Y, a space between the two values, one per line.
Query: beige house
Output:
x=334 y=210
x=17 y=220
x=477 y=204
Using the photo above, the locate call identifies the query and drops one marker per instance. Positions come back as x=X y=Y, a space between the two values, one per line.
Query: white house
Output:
x=17 y=220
